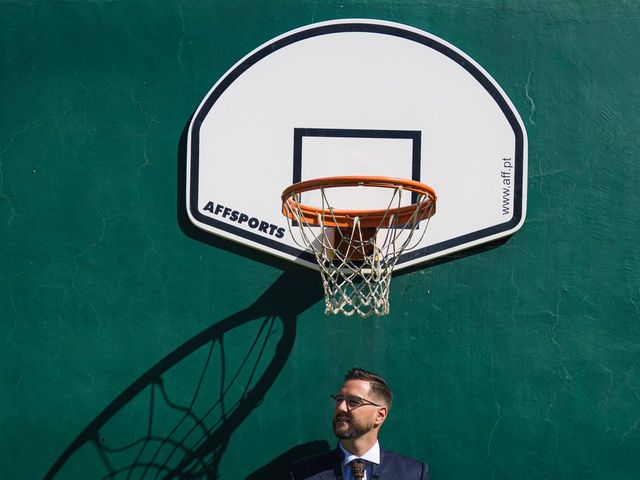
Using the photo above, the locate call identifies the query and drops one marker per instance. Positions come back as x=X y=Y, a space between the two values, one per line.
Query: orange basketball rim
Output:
x=331 y=217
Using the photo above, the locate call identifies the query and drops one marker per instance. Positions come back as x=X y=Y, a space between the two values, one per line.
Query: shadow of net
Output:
x=176 y=420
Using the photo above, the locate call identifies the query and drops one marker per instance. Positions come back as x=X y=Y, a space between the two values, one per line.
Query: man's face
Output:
x=354 y=422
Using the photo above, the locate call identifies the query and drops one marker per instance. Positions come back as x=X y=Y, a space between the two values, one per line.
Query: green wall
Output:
x=134 y=345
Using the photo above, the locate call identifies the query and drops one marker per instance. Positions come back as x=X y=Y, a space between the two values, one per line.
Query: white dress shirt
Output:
x=372 y=456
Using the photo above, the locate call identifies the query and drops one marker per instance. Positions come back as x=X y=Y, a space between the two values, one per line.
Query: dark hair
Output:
x=379 y=388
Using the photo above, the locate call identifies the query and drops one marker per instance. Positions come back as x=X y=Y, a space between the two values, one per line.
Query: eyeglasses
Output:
x=353 y=401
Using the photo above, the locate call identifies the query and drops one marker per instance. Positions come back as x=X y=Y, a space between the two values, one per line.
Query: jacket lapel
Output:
x=337 y=463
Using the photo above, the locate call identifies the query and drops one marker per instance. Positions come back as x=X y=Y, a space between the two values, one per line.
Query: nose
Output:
x=341 y=406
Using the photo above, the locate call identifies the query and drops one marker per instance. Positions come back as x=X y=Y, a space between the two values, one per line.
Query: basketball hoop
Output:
x=356 y=250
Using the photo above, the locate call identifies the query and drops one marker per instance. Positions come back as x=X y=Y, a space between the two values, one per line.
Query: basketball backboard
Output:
x=357 y=97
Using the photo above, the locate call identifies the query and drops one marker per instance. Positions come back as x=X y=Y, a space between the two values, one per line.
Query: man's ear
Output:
x=381 y=415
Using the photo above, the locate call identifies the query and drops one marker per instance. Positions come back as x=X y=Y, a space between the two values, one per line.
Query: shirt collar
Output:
x=373 y=455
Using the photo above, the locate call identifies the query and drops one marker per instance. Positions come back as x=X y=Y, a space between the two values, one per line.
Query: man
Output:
x=362 y=405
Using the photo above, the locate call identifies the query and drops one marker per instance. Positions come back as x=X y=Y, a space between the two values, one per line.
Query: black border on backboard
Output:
x=358 y=26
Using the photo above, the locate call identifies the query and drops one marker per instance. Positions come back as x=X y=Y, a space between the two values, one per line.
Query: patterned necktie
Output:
x=357 y=469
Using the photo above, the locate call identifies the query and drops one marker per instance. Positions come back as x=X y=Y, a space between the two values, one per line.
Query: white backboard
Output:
x=357 y=97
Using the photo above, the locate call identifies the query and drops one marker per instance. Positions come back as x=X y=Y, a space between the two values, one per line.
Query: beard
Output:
x=344 y=426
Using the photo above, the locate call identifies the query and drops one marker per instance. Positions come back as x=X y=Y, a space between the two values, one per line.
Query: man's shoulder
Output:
x=314 y=465
x=396 y=462
x=389 y=455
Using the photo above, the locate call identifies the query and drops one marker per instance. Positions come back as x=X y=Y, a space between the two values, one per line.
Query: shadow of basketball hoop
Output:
x=193 y=399
x=184 y=434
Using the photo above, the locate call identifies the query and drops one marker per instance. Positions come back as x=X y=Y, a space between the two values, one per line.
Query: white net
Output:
x=356 y=258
